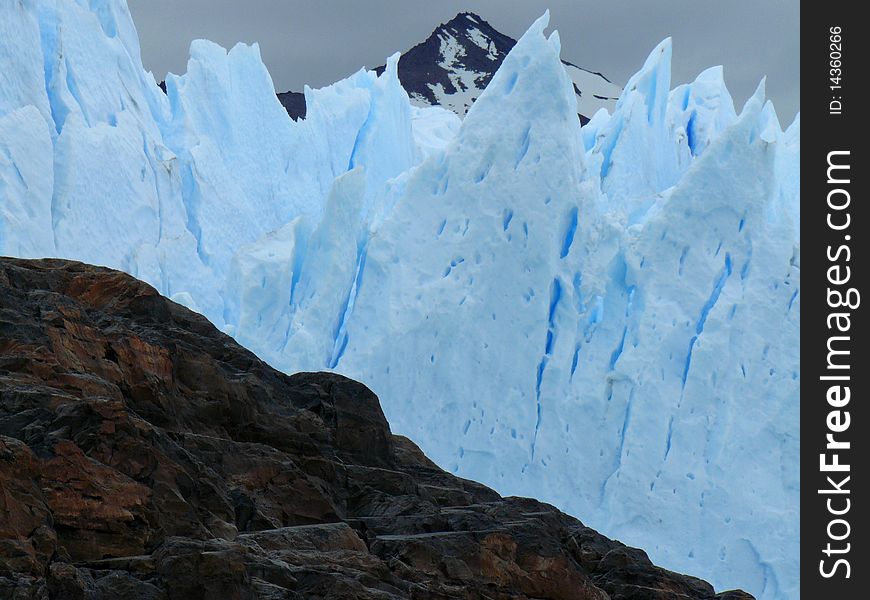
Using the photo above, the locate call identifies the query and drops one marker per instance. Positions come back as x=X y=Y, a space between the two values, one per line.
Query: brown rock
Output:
x=145 y=455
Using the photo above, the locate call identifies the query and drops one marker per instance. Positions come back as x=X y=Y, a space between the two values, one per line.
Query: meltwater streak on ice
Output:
x=606 y=318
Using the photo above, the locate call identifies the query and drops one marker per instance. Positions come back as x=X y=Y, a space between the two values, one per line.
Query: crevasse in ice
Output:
x=605 y=318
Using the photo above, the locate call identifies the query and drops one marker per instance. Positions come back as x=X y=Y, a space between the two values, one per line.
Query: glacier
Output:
x=604 y=317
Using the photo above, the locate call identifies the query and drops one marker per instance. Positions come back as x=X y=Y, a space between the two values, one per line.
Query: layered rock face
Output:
x=144 y=454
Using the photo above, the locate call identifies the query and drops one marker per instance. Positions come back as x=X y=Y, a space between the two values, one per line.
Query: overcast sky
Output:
x=320 y=41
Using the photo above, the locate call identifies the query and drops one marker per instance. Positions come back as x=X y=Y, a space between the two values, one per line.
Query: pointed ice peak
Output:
x=531 y=80
x=709 y=91
x=794 y=130
x=640 y=123
x=525 y=117
x=591 y=129
x=701 y=110
x=653 y=82
x=540 y=24
x=384 y=144
x=759 y=117
x=769 y=123
x=392 y=69
x=661 y=52
x=715 y=74
x=756 y=100
x=555 y=42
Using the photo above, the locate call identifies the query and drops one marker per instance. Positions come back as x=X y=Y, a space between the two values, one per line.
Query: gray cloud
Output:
x=320 y=42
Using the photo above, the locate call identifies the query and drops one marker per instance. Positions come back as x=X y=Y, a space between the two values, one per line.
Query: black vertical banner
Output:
x=835 y=369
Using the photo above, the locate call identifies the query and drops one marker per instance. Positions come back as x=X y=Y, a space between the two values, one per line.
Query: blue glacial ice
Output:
x=605 y=318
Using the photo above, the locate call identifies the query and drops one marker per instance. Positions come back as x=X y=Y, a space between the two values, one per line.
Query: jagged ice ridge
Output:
x=605 y=318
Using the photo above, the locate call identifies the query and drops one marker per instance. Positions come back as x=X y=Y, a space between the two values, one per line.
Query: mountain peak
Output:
x=466 y=19
x=452 y=66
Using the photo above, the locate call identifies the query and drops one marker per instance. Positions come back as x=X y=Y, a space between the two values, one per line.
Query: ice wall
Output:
x=606 y=318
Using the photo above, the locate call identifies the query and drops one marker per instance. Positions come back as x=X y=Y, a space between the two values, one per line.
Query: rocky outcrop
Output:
x=145 y=455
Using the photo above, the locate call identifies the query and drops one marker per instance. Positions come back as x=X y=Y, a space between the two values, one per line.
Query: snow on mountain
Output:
x=453 y=66
x=594 y=91
x=605 y=317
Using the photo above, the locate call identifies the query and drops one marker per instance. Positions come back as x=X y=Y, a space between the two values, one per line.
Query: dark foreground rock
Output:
x=146 y=456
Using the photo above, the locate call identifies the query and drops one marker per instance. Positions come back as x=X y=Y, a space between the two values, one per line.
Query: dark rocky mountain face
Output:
x=145 y=455
x=453 y=66
x=294 y=102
